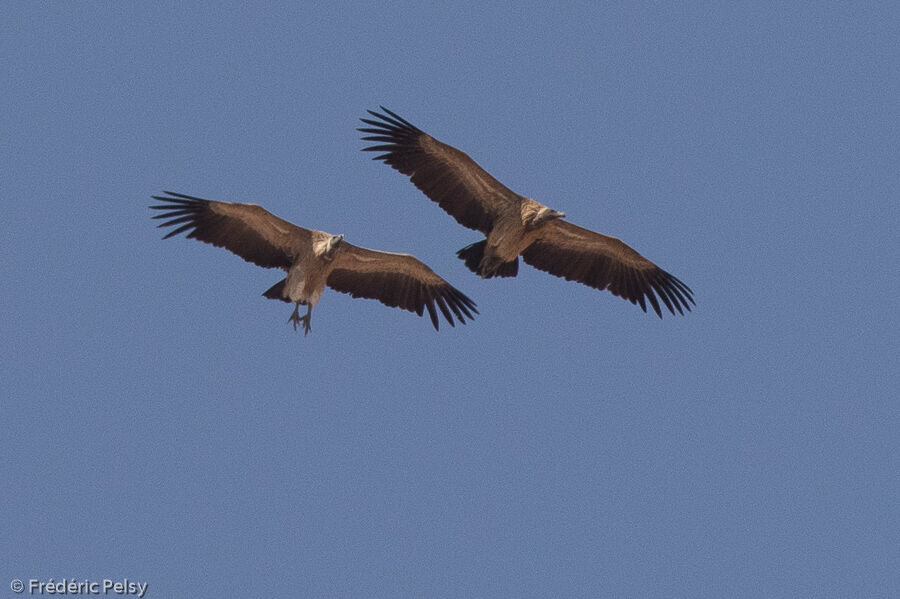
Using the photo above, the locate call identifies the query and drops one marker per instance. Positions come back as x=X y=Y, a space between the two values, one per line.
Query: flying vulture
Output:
x=313 y=259
x=515 y=225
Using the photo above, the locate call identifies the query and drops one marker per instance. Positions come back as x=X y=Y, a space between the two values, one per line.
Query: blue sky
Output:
x=162 y=421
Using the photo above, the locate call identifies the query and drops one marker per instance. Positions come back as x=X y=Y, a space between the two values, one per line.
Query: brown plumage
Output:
x=515 y=225
x=313 y=259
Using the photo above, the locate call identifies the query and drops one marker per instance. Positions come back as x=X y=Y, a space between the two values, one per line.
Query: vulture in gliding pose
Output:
x=515 y=225
x=313 y=259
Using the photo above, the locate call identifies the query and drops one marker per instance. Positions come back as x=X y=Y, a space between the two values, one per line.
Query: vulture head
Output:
x=545 y=214
x=332 y=245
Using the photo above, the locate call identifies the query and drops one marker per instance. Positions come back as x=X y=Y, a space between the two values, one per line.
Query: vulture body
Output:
x=313 y=259
x=514 y=225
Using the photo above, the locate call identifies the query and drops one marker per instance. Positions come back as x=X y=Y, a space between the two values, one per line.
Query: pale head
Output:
x=546 y=214
x=333 y=243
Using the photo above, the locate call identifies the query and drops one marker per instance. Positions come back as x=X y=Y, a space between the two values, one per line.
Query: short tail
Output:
x=276 y=291
x=473 y=256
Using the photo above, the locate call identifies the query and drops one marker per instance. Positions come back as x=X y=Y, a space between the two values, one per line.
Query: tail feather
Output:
x=473 y=256
x=276 y=291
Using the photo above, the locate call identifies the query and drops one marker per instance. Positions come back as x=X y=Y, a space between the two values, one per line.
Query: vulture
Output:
x=313 y=259
x=515 y=225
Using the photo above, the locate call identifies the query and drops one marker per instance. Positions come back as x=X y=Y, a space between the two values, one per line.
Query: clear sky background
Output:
x=162 y=422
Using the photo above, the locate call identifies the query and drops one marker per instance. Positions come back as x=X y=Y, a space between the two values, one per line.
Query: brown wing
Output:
x=248 y=230
x=399 y=281
x=603 y=262
x=444 y=174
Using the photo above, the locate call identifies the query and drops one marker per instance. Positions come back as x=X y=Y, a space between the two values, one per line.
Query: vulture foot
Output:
x=296 y=319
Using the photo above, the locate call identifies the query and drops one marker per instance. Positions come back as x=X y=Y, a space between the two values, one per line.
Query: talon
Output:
x=295 y=318
x=305 y=321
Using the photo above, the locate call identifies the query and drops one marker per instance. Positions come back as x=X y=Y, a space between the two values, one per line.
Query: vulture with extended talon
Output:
x=515 y=225
x=313 y=259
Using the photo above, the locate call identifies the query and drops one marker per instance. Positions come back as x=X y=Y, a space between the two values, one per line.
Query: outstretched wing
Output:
x=444 y=174
x=248 y=230
x=399 y=281
x=603 y=262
